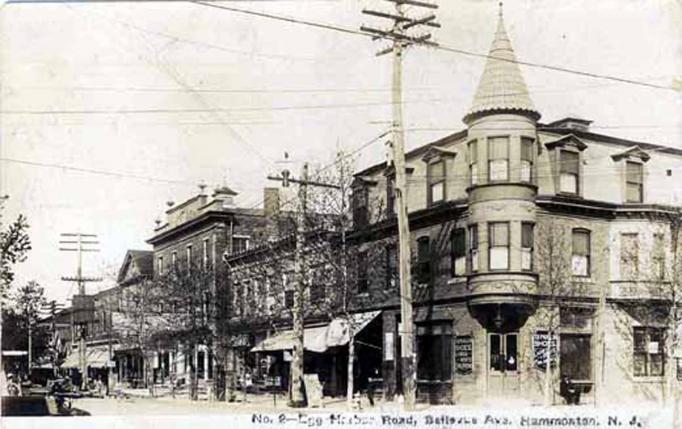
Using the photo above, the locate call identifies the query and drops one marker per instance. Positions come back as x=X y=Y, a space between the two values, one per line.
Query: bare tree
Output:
x=556 y=287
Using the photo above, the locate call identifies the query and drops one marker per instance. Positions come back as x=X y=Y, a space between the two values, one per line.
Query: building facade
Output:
x=533 y=244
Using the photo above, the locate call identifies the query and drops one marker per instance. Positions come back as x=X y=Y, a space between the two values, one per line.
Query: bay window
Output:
x=498 y=237
x=473 y=162
x=527 y=246
x=473 y=247
x=498 y=159
x=526 y=159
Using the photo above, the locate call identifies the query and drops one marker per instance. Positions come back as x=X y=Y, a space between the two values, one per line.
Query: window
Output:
x=288 y=299
x=575 y=356
x=580 y=260
x=498 y=159
x=629 y=256
x=648 y=348
x=362 y=272
x=159 y=266
x=434 y=352
x=423 y=260
x=188 y=252
x=390 y=196
x=526 y=159
x=436 y=181
x=458 y=252
x=634 y=179
x=174 y=260
x=503 y=352
x=359 y=203
x=499 y=245
x=317 y=291
x=658 y=257
x=392 y=275
x=569 y=172
x=240 y=244
x=527 y=246
x=237 y=298
x=473 y=247
x=473 y=162
x=204 y=255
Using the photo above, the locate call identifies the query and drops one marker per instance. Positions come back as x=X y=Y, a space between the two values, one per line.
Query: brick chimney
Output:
x=270 y=201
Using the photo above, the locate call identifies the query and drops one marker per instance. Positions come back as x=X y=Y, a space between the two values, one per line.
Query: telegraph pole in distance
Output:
x=401 y=40
x=52 y=307
x=78 y=242
x=300 y=276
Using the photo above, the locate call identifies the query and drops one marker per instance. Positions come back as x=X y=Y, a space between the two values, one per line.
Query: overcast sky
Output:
x=258 y=87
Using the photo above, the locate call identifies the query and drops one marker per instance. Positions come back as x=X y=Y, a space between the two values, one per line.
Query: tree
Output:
x=556 y=286
x=20 y=323
x=14 y=246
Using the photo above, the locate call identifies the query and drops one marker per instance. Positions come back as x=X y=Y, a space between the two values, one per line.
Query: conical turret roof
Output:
x=502 y=87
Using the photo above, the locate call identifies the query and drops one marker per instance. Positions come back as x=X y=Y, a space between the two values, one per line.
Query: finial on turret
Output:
x=501 y=12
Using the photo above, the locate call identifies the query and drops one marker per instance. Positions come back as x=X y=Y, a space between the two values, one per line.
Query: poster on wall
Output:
x=540 y=343
x=388 y=346
x=464 y=356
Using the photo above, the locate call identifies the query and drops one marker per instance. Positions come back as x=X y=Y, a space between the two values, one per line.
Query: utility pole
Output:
x=80 y=243
x=52 y=307
x=401 y=40
x=300 y=276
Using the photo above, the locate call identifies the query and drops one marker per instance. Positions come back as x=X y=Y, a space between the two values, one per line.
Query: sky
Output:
x=167 y=95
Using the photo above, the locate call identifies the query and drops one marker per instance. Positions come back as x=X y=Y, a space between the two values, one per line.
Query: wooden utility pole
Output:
x=401 y=40
x=80 y=243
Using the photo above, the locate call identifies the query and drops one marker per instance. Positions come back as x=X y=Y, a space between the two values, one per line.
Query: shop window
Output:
x=575 y=356
x=391 y=265
x=569 y=177
x=434 y=352
x=423 y=260
x=580 y=260
x=498 y=254
x=436 y=182
x=363 y=282
x=473 y=162
x=503 y=352
x=527 y=245
x=648 y=349
x=658 y=257
x=634 y=182
x=629 y=256
x=360 y=204
x=498 y=159
x=458 y=252
x=527 y=145
x=473 y=247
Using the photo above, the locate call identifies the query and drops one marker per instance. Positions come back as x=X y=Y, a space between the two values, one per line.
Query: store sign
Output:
x=389 y=346
x=540 y=344
x=464 y=354
x=313 y=390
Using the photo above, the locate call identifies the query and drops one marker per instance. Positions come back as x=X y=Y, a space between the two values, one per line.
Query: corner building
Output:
x=520 y=229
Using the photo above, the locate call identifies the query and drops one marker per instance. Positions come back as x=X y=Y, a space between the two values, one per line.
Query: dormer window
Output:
x=436 y=180
x=498 y=159
x=569 y=176
x=566 y=155
x=634 y=182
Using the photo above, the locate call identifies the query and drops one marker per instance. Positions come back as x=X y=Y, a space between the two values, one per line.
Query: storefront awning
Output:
x=96 y=357
x=319 y=338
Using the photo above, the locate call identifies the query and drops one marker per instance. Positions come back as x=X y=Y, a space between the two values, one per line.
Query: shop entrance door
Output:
x=503 y=375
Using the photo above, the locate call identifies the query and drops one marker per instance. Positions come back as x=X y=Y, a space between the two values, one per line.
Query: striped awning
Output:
x=95 y=357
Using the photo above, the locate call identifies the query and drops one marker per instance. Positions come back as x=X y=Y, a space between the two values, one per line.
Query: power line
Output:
x=434 y=45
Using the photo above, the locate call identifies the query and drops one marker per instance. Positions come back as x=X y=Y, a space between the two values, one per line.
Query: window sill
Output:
x=419 y=381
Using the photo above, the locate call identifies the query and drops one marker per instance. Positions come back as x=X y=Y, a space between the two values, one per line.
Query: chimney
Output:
x=225 y=195
x=270 y=202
